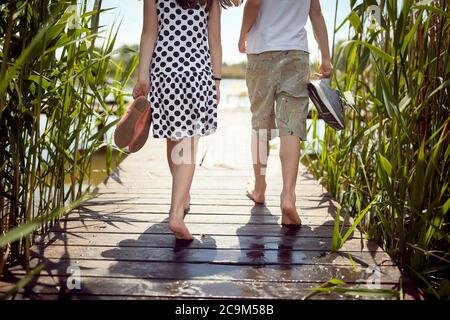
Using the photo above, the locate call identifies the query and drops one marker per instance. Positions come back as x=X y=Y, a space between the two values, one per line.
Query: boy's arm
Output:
x=251 y=12
x=321 y=35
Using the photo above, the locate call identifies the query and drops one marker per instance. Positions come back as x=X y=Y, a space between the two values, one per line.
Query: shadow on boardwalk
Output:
x=164 y=266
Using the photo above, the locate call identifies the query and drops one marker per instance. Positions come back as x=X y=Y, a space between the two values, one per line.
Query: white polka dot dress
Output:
x=183 y=93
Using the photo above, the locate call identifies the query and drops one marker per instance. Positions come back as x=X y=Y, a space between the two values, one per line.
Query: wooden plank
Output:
x=199 y=188
x=162 y=169
x=210 y=209
x=200 y=192
x=214 y=173
x=204 y=181
x=239 y=192
x=182 y=289
x=208 y=271
x=255 y=256
x=96 y=297
x=242 y=199
x=132 y=200
x=5 y=286
x=325 y=230
x=206 y=242
x=87 y=216
x=233 y=184
x=214 y=180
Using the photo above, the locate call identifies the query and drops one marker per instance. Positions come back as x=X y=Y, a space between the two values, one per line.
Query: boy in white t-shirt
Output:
x=274 y=37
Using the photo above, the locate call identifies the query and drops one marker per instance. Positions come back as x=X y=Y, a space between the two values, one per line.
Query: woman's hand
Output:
x=218 y=91
x=141 y=89
x=146 y=49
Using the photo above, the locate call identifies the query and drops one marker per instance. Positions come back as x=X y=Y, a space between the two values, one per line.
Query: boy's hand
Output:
x=251 y=12
x=141 y=89
x=325 y=70
x=243 y=44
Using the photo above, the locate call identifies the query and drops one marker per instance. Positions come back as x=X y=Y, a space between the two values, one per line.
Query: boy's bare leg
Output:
x=290 y=158
x=260 y=152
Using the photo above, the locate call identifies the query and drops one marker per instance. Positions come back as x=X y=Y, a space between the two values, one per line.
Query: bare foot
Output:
x=256 y=194
x=289 y=211
x=179 y=229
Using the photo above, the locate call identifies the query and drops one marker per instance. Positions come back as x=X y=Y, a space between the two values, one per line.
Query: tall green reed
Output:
x=55 y=83
x=390 y=167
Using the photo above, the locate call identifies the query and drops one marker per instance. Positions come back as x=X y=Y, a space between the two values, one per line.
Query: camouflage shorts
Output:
x=277 y=85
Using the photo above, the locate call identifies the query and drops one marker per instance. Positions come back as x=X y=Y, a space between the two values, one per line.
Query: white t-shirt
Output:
x=280 y=26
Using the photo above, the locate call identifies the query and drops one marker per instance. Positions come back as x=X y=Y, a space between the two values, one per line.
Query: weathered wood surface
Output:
x=121 y=244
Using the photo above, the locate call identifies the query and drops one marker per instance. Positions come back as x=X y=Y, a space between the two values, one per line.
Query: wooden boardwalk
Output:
x=121 y=246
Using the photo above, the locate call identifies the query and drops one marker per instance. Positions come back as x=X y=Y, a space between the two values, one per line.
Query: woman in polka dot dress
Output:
x=181 y=46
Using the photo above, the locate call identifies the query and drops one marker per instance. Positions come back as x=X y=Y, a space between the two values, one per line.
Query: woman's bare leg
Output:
x=170 y=146
x=183 y=158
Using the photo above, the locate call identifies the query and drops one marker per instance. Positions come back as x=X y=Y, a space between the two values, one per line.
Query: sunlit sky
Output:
x=129 y=13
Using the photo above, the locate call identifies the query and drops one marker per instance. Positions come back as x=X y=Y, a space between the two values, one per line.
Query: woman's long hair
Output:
x=189 y=4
